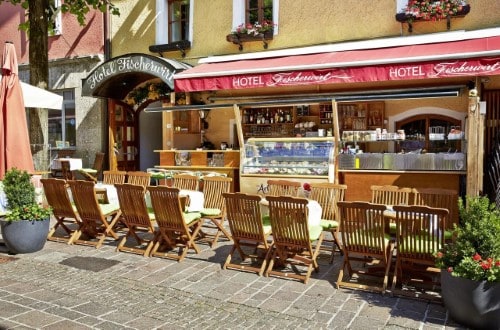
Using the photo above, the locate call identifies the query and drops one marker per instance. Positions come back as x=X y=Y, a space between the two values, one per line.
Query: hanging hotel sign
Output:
x=387 y=72
x=129 y=68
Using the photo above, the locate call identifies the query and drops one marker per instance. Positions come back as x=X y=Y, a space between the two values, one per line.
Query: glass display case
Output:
x=400 y=159
x=297 y=157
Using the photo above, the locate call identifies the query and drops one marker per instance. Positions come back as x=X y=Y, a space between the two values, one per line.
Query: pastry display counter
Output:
x=298 y=159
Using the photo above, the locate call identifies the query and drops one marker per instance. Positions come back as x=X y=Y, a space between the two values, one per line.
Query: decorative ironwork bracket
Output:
x=181 y=46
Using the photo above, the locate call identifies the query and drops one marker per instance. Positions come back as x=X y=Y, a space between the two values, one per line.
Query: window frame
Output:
x=68 y=103
x=57 y=19
x=163 y=32
x=240 y=14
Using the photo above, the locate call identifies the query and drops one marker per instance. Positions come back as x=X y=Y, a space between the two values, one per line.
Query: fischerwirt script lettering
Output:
x=300 y=78
x=452 y=69
x=127 y=64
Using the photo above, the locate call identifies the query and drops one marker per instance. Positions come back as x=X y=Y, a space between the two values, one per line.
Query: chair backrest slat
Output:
x=56 y=193
x=419 y=232
x=133 y=204
x=85 y=200
x=185 y=181
x=283 y=188
x=244 y=216
x=362 y=228
x=167 y=208
x=213 y=188
x=328 y=195
x=390 y=195
x=288 y=217
x=113 y=177
x=139 y=178
x=439 y=198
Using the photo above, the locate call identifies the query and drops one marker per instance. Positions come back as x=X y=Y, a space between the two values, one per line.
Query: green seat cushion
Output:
x=157 y=175
x=363 y=233
x=108 y=208
x=314 y=232
x=88 y=170
x=422 y=244
x=328 y=224
x=191 y=216
x=266 y=220
x=392 y=228
x=210 y=212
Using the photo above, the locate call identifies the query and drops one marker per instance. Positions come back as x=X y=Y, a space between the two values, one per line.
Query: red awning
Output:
x=473 y=57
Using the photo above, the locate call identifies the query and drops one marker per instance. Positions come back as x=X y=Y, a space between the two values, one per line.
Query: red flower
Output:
x=477 y=257
x=485 y=265
x=450 y=269
x=439 y=255
x=307 y=186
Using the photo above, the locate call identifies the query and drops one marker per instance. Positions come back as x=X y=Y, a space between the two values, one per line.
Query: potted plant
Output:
x=470 y=266
x=25 y=225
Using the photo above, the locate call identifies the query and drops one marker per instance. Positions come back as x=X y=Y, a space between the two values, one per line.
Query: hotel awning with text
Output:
x=475 y=56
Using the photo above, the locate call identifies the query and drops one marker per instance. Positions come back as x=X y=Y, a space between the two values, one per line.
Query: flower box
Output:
x=419 y=14
x=240 y=38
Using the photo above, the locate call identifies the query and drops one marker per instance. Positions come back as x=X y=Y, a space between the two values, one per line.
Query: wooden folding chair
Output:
x=56 y=193
x=113 y=177
x=364 y=241
x=283 y=188
x=293 y=238
x=419 y=235
x=390 y=195
x=248 y=231
x=328 y=195
x=66 y=172
x=94 y=173
x=97 y=220
x=176 y=229
x=185 y=181
x=136 y=217
x=440 y=198
x=139 y=178
x=213 y=213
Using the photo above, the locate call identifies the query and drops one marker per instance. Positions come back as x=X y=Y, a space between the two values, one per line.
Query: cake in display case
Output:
x=288 y=156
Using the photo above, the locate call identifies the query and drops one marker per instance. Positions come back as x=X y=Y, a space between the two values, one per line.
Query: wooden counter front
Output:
x=359 y=181
x=200 y=157
x=200 y=161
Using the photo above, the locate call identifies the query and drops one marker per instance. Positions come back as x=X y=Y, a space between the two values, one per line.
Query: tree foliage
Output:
x=78 y=8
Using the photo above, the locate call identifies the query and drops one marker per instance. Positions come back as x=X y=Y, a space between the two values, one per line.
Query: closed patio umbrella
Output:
x=14 y=140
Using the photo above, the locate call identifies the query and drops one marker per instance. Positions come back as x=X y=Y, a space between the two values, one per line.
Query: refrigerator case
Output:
x=307 y=159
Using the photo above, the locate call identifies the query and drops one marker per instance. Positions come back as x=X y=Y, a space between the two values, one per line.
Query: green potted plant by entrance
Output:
x=470 y=266
x=25 y=225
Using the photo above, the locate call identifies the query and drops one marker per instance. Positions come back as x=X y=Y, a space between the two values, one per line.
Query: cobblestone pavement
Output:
x=80 y=287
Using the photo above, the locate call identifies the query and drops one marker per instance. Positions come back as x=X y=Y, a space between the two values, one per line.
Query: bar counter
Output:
x=359 y=181
x=223 y=162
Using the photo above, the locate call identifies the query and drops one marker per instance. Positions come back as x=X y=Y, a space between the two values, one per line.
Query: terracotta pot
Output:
x=471 y=303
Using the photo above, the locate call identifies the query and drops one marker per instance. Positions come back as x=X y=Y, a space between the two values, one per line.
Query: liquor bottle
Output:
x=288 y=117
x=276 y=116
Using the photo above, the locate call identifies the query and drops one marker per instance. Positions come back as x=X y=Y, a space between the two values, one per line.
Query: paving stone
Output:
x=148 y=293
